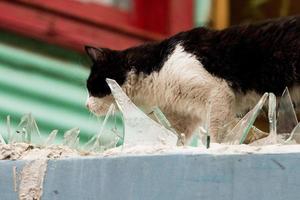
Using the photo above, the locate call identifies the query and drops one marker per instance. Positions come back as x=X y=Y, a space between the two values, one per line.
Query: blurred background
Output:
x=42 y=64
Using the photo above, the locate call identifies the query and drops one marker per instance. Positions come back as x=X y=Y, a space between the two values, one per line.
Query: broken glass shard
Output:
x=195 y=140
x=181 y=141
x=203 y=135
x=139 y=128
x=226 y=128
x=70 y=137
x=51 y=138
x=207 y=125
x=295 y=135
x=94 y=140
x=30 y=129
x=2 y=139
x=239 y=133
x=287 y=118
x=272 y=137
x=162 y=118
x=76 y=145
x=27 y=130
x=109 y=134
x=9 y=131
x=257 y=138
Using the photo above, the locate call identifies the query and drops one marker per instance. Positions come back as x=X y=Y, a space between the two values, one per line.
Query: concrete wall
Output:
x=189 y=176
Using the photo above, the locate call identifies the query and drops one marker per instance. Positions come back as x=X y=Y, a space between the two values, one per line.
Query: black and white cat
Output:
x=228 y=69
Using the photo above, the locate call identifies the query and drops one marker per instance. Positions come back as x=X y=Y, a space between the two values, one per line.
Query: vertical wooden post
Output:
x=221 y=13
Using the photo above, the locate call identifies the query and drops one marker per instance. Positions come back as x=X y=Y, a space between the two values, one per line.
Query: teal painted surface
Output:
x=202 y=12
x=50 y=87
x=163 y=177
x=34 y=45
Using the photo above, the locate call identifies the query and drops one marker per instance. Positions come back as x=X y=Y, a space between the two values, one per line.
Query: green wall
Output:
x=45 y=80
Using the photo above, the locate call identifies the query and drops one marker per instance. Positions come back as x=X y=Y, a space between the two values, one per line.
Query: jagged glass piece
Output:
x=272 y=115
x=207 y=125
x=272 y=137
x=71 y=137
x=260 y=138
x=9 y=131
x=272 y=119
x=93 y=141
x=108 y=136
x=181 y=139
x=239 y=133
x=287 y=118
x=139 y=128
x=51 y=138
x=195 y=140
x=203 y=136
x=295 y=135
x=76 y=145
x=27 y=130
x=2 y=139
x=162 y=118
x=226 y=128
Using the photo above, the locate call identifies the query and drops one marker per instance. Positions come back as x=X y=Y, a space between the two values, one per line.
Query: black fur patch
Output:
x=106 y=64
x=263 y=57
x=148 y=57
x=112 y=64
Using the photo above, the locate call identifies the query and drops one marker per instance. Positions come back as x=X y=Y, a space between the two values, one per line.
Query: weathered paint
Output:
x=177 y=176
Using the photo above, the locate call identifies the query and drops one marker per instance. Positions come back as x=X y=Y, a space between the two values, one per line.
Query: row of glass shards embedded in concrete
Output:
x=283 y=124
x=28 y=132
x=140 y=129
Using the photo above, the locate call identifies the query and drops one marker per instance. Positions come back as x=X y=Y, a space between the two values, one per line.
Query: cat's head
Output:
x=106 y=63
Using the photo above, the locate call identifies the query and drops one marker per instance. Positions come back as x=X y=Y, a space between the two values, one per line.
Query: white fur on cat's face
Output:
x=99 y=106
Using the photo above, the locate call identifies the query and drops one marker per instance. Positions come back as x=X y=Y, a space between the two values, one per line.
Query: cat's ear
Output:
x=95 y=53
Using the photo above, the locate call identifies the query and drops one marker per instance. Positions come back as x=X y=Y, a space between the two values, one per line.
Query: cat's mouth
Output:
x=99 y=106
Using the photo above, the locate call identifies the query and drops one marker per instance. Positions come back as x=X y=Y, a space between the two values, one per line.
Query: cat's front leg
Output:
x=221 y=107
x=215 y=97
x=183 y=123
x=192 y=102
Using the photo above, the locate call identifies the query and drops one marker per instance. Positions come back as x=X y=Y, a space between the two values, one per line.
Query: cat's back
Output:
x=264 y=57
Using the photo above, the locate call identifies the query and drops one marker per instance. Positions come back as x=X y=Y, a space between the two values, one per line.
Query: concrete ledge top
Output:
x=187 y=175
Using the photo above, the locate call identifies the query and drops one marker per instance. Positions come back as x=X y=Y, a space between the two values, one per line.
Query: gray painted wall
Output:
x=188 y=176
